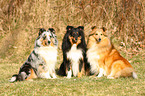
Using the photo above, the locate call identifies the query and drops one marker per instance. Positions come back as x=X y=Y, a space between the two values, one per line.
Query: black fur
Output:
x=26 y=72
x=66 y=46
x=52 y=30
x=41 y=30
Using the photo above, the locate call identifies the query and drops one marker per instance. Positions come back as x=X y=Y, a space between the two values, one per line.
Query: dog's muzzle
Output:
x=45 y=41
x=75 y=40
x=99 y=40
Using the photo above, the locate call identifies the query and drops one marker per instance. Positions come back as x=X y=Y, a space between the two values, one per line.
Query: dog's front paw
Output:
x=69 y=74
x=45 y=75
x=54 y=76
x=79 y=74
x=68 y=77
x=110 y=77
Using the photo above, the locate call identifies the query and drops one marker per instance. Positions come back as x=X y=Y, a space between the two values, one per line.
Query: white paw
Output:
x=45 y=75
x=68 y=77
x=69 y=74
x=100 y=75
x=30 y=79
x=54 y=76
x=110 y=77
x=101 y=72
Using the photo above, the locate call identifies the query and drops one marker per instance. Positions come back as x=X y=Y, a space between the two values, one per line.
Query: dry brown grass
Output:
x=20 y=20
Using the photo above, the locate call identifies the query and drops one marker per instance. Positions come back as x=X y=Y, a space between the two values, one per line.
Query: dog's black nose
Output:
x=99 y=39
x=48 y=42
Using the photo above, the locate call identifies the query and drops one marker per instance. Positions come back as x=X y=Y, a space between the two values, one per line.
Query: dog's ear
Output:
x=81 y=27
x=104 y=29
x=93 y=27
x=41 y=30
x=52 y=30
x=69 y=28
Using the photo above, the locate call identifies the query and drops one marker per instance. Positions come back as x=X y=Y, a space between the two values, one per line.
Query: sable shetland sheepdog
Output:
x=74 y=53
x=105 y=59
x=41 y=62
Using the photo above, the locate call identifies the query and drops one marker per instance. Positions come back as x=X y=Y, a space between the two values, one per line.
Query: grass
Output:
x=85 y=86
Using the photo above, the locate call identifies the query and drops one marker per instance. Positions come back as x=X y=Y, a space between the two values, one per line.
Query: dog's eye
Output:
x=96 y=34
x=50 y=36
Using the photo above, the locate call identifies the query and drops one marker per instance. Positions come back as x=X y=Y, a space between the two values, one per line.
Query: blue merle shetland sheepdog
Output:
x=74 y=53
x=41 y=62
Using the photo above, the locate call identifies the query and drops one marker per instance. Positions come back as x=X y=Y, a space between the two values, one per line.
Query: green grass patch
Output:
x=85 y=86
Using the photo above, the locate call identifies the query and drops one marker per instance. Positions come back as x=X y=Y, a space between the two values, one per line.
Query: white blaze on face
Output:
x=46 y=34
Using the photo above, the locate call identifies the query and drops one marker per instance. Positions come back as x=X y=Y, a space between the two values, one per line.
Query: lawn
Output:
x=85 y=86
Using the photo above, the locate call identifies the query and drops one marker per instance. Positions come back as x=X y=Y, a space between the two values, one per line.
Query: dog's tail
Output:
x=18 y=77
x=134 y=75
x=129 y=71
x=14 y=78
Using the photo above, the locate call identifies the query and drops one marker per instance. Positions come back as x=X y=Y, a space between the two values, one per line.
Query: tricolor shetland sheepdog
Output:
x=41 y=62
x=74 y=53
x=104 y=58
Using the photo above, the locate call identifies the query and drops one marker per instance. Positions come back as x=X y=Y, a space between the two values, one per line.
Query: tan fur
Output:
x=78 y=41
x=52 y=40
x=32 y=75
x=103 y=56
x=44 y=43
x=80 y=74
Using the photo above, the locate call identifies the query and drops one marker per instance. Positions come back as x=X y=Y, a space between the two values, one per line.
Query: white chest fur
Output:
x=93 y=57
x=92 y=54
x=75 y=55
x=48 y=53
